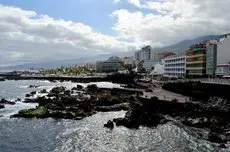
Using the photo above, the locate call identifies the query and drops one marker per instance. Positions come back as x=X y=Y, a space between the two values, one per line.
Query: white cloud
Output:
x=135 y=2
x=116 y=1
x=173 y=20
x=28 y=37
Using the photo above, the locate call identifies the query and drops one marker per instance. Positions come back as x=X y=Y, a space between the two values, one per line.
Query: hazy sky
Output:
x=44 y=30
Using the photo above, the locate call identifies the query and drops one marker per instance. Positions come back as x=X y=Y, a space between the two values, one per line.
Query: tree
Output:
x=140 y=67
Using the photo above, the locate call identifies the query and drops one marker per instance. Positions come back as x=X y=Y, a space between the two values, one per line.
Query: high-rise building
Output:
x=143 y=54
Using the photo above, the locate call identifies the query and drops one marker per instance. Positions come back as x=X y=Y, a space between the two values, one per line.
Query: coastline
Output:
x=81 y=102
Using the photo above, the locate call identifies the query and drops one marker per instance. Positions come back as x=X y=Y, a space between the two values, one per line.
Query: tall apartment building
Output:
x=143 y=54
x=175 y=66
x=201 y=59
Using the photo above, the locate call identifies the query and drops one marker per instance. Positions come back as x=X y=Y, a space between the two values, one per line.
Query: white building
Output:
x=223 y=50
x=149 y=65
x=158 y=69
x=175 y=66
x=223 y=69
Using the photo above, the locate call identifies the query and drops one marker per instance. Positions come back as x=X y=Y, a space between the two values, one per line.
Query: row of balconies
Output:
x=181 y=67
x=195 y=56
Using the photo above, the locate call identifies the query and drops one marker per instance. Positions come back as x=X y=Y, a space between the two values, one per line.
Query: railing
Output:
x=215 y=80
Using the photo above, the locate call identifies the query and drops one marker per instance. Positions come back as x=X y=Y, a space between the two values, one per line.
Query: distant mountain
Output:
x=55 y=64
x=179 y=47
x=185 y=44
x=66 y=62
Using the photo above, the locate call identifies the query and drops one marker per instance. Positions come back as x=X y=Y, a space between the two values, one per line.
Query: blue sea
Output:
x=87 y=135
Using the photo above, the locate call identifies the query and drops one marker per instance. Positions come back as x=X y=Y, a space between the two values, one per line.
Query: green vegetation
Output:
x=70 y=71
x=37 y=112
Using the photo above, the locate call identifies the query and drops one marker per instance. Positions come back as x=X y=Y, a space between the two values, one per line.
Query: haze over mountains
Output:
x=179 y=47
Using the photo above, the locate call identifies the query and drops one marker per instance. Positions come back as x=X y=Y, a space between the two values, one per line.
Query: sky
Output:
x=46 y=30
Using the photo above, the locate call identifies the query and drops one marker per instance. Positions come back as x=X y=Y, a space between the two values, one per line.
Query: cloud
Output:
x=29 y=37
x=170 y=21
x=116 y=1
x=135 y=2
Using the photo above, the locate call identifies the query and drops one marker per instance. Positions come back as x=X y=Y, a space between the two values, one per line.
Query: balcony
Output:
x=195 y=62
x=195 y=56
x=196 y=68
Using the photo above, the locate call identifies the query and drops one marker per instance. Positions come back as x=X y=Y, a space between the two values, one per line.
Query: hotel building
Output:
x=201 y=59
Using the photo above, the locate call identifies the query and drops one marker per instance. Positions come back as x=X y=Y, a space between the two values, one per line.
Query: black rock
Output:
x=18 y=100
x=4 y=101
x=28 y=95
x=33 y=93
x=2 y=106
x=92 y=87
x=109 y=124
x=148 y=90
x=43 y=91
x=1 y=79
x=33 y=86
x=79 y=87
x=217 y=138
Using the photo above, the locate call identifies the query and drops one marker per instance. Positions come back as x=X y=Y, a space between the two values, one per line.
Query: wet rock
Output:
x=44 y=91
x=33 y=86
x=78 y=88
x=4 y=101
x=217 y=138
x=1 y=79
x=116 y=107
x=18 y=100
x=222 y=146
x=2 y=106
x=92 y=87
x=28 y=95
x=53 y=81
x=38 y=112
x=33 y=93
x=148 y=90
x=58 y=90
x=109 y=124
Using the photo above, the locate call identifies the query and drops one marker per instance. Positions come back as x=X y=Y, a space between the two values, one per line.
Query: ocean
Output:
x=88 y=134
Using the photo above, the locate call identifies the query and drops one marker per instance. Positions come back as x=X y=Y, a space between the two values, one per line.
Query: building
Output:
x=201 y=59
x=128 y=61
x=143 y=54
x=211 y=59
x=223 y=69
x=113 y=64
x=223 y=49
x=161 y=55
x=158 y=69
x=175 y=66
x=148 y=65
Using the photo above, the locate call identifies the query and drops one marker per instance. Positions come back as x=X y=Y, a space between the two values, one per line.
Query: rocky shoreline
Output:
x=81 y=102
x=77 y=103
